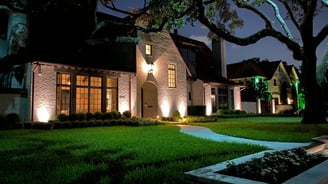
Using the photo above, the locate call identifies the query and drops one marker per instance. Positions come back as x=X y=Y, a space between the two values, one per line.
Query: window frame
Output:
x=172 y=75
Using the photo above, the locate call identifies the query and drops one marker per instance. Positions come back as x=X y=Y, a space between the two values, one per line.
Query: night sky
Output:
x=267 y=48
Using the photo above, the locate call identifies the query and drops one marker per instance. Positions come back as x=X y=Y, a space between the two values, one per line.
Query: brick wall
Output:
x=44 y=97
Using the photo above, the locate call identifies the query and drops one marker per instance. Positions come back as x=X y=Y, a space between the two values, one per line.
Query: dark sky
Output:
x=267 y=48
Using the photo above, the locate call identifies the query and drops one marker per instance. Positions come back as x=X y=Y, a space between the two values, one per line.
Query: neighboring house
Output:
x=114 y=68
x=208 y=84
x=282 y=81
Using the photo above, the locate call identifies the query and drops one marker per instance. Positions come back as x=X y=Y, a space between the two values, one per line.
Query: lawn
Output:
x=286 y=129
x=151 y=154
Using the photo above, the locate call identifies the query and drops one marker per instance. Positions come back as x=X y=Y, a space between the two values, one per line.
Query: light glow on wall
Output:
x=43 y=114
x=182 y=109
x=165 y=107
x=124 y=105
x=208 y=108
x=148 y=68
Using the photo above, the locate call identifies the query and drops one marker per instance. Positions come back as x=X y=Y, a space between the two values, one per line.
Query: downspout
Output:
x=32 y=95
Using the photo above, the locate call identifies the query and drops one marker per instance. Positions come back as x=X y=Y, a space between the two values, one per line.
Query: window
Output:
x=172 y=76
x=274 y=82
x=63 y=92
x=111 y=95
x=223 y=98
x=148 y=49
x=88 y=93
x=4 y=25
x=91 y=93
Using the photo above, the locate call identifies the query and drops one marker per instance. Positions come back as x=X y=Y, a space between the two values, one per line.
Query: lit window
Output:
x=172 y=76
x=88 y=93
x=63 y=92
x=148 y=49
x=111 y=95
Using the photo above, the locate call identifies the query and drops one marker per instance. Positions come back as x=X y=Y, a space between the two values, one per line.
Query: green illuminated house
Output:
x=282 y=81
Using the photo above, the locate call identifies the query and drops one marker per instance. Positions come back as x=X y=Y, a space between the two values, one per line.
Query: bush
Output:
x=107 y=116
x=13 y=118
x=116 y=114
x=81 y=116
x=98 y=115
x=62 y=117
x=176 y=116
x=126 y=114
x=73 y=117
x=196 y=110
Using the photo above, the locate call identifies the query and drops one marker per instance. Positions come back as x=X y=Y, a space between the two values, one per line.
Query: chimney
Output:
x=219 y=56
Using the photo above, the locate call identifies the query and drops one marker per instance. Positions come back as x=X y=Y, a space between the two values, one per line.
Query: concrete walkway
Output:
x=206 y=133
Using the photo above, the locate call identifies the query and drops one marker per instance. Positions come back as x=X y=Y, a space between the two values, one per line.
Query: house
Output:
x=282 y=80
x=208 y=84
x=114 y=68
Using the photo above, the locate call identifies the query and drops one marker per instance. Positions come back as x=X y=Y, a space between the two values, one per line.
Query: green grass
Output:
x=286 y=129
x=117 y=154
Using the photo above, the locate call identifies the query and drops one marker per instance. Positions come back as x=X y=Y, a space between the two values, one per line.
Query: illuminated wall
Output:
x=127 y=93
x=237 y=98
x=164 y=52
x=44 y=98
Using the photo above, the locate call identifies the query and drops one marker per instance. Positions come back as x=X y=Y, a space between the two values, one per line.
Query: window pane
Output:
x=82 y=97
x=82 y=80
x=63 y=93
x=171 y=76
x=148 y=49
x=95 y=100
x=111 y=100
x=111 y=82
x=95 y=81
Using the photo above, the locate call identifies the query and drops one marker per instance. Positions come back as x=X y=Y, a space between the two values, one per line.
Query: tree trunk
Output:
x=314 y=113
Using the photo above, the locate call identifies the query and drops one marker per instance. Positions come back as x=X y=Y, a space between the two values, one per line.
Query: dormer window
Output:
x=148 y=49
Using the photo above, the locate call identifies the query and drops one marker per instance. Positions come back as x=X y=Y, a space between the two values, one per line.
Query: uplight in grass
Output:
x=43 y=114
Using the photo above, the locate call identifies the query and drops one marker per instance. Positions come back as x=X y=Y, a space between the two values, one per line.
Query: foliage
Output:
x=176 y=115
x=196 y=110
x=221 y=112
x=275 y=167
x=108 y=155
x=126 y=114
x=13 y=118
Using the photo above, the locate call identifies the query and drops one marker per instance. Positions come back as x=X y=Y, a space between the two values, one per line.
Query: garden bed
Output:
x=274 y=167
x=287 y=166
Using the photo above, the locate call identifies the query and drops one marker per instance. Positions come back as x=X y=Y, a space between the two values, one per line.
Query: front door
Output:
x=149 y=100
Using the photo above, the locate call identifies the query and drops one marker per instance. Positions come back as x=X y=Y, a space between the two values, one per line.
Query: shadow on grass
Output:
x=45 y=161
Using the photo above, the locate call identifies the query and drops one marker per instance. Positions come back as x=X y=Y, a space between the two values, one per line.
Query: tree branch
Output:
x=321 y=35
x=268 y=23
x=290 y=13
x=281 y=20
x=292 y=45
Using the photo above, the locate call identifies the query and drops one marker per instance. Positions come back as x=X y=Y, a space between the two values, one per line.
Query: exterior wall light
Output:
x=150 y=68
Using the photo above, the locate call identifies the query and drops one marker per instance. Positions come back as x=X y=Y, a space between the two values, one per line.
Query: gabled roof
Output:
x=205 y=67
x=252 y=67
x=55 y=42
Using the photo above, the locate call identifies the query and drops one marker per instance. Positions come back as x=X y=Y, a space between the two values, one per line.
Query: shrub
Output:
x=89 y=115
x=13 y=118
x=73 y=117
x=62 y=117
x=98 y=115
x=116 y=114
x=196 y=110
x=176 y=116
x=107 y=115
x=126 y=114
x=81 y=116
